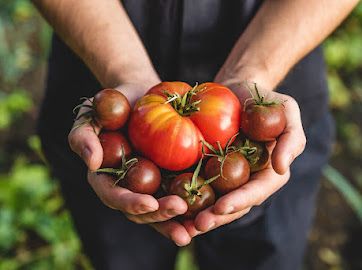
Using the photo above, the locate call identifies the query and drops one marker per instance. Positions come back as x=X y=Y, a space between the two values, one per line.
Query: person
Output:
x=133 y=45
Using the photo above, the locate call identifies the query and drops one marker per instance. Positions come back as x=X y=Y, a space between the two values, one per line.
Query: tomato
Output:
x=194 y=190
x=263 y=120
x=195 y=203
x=263 y=123
x=111 y=109
x=233 y=169
x=112 y=143
x=168 y=123
x=137 y=174
x=258 y=159
x=143 y=177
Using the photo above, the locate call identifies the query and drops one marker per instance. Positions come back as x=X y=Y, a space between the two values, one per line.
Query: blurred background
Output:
x=36 y=231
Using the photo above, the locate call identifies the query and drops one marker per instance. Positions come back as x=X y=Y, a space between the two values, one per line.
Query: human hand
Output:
x=239 y=202
x=264 y=183
x=139 y=208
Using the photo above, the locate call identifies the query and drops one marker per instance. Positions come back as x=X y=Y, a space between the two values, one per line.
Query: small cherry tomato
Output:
x=112 y=143
x=233 y=169
x=262 y=120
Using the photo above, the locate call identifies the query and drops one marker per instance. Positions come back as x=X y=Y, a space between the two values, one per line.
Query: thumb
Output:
x=83 y=140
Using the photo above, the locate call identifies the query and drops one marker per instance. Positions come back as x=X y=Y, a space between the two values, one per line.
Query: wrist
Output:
x=231 y=75
x=117 y=75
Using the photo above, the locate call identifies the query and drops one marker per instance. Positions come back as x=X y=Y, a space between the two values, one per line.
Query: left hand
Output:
x=262 y=184
x=237 y=203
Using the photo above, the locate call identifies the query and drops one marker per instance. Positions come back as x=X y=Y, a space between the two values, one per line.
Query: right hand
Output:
x=139 y=208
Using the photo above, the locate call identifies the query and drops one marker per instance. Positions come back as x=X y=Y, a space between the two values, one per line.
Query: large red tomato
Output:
x=169 y=122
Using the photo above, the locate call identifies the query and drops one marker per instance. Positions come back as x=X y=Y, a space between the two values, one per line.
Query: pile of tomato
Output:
x=195 y=142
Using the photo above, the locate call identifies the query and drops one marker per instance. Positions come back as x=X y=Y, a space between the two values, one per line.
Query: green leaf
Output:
x=346 y=189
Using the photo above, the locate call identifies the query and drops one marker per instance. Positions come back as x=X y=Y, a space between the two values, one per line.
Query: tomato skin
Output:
x=112 y=142
x=260 y=159
x=143 y=177
x=172 y=87
x=111 y=108
x=172 y=140
x=219 y=115
x=162 y=135
x=261 y=156
x=177 y=187
x=236 y=172
x=263 y=123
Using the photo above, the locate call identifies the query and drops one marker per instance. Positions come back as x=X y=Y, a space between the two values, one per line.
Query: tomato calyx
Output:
x=259 y=99
x=253 y=159
x=184 y=104
x=221 y=154
x=193 y=188
x=119 y=173
x=89 y=115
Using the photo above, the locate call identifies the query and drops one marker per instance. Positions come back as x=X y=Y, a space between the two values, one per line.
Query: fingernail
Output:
x=210 y=226
x=229 y=210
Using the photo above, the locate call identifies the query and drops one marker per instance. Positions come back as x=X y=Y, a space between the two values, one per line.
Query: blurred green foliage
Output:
x=36 y=232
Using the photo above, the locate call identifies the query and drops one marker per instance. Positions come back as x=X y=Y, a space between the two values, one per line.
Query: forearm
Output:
x=281 y=33
x=101 y=33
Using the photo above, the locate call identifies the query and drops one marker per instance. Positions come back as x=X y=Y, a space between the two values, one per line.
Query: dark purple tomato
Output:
x=112 y=142
x=260 y=159
x=142 y=177
x=263 y=122
x=204 y=199
x=111 y=109
x=235 y=172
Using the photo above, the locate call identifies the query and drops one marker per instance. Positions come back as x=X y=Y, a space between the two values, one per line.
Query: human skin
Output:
x=280 y=34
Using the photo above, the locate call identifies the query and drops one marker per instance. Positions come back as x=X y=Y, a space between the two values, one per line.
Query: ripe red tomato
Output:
x=111 y=109
x=112 y=142
x=196 y=203
x=263 y=120
x=169 y=122
x=234 y=171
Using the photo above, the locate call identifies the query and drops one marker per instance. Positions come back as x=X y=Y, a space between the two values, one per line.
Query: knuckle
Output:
x=292 y=101
x=302 y=144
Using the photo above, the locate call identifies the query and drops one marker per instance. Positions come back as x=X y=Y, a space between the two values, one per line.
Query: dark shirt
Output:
x=187 y=40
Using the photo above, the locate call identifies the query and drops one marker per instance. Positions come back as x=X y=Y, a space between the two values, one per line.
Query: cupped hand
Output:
x=139 y=208
x=237 y=203
x=263 y=184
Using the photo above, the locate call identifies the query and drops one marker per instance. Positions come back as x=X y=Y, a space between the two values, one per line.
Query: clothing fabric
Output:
x=189 y=41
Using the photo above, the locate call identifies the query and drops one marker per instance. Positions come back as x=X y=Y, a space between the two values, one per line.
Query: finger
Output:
x=260 y=186
x=120 y=198
x=173 y=231
x=169 y=207
x=207 y=220
x=190 y=228
x=84 y=141
x=291 y=142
